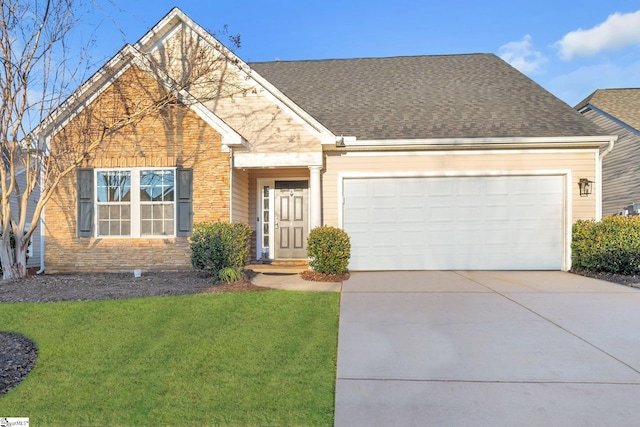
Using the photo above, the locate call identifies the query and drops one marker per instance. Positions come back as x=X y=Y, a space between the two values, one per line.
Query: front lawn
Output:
x=249 y=358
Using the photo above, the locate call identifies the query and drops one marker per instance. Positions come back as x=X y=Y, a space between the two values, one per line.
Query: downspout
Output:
x=609 y=148
x=599 y=180
x=44 y=208
x=41 y=243
x=230 y=184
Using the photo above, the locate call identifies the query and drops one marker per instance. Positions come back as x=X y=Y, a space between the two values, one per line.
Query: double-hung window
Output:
x=135 y=202
x=157 y=202
x=113 y=194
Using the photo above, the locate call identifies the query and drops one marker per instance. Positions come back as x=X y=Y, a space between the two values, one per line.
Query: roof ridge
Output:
x=367 y=58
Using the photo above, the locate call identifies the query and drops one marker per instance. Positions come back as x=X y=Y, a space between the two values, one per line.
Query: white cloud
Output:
x=522 y=56
x=617 y=32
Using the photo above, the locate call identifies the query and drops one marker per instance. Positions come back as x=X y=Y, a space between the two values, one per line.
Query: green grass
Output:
x=250 y=358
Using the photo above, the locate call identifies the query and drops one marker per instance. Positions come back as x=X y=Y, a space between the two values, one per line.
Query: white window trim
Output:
x=134 y=203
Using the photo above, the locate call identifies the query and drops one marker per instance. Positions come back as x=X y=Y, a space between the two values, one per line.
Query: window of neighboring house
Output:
x=135 y=202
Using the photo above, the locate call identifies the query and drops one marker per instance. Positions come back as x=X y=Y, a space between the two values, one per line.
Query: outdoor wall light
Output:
x=586 y=187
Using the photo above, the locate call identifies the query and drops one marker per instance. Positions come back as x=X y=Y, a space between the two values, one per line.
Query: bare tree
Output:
x=36 y=74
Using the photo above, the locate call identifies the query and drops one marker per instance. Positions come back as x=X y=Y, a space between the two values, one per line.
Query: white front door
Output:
x=283 y=219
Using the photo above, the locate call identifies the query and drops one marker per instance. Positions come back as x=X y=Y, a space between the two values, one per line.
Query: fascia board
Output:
x=521 y=142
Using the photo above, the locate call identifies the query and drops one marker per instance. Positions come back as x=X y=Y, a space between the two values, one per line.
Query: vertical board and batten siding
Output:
x=620 y=168
x=240 y=202
x=578 y=164
x=175 y=138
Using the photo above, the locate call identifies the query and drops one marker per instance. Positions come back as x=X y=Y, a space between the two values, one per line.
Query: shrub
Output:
x=329 y=250
x=611 y=245
x=218 y=245
x=230 y=274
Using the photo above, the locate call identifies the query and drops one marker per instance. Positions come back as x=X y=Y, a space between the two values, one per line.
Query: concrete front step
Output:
x=280 y=266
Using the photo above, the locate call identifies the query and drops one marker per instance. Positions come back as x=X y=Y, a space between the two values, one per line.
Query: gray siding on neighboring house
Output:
x=34 y=259
x=620 y=168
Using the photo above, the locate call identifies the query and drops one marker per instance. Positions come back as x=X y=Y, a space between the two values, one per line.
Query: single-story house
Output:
x=617 y=111
x=427 y=162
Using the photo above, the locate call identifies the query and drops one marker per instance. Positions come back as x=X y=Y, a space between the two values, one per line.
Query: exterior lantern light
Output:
x=586 y=187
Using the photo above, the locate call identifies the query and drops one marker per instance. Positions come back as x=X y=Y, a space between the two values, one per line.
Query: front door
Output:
x=290 y=221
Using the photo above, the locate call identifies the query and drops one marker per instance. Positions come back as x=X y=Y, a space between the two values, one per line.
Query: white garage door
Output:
x=455 y=223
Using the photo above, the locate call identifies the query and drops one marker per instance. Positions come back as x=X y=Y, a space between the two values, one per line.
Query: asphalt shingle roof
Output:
x=623 y=104
x=445 y=96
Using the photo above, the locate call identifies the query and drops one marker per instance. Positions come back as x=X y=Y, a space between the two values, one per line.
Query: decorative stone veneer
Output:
x=173 y=137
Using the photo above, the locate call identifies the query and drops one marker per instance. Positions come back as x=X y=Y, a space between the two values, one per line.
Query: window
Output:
x=114 y=202
x=157 y=207
x=135 y=202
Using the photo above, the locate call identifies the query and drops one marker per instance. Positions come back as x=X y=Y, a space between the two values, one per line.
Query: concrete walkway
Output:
x=293 y=282
x=487 y=349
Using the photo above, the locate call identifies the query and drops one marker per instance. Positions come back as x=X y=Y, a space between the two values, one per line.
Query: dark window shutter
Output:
x=85 y=202
x=184 y=184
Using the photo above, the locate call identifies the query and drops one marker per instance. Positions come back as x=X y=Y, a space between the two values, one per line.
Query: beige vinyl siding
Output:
x=240 y=201
x=579 y=164
x=620 y=168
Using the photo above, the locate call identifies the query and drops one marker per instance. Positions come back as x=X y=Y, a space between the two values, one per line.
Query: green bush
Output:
x=219 y=245
x=329 y=250
x=230 y=274
x=611 y=245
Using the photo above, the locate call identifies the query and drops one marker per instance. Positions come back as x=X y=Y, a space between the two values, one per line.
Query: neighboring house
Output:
x=428 y=162
x=617 y=111
x=34 y=251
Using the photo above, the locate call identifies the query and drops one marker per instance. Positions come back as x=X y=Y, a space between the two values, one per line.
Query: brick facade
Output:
x=172 y=137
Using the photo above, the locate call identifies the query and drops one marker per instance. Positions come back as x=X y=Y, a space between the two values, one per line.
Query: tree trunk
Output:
x=14 y=260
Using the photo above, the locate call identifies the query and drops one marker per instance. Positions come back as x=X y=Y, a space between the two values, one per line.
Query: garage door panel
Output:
x=497 y=222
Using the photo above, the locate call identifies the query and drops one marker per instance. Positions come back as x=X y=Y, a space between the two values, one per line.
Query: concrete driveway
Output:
x=480 y=348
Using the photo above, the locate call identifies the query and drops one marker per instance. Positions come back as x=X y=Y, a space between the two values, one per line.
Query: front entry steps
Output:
x=284 y=266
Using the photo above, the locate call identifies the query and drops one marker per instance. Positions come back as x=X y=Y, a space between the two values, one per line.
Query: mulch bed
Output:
x=314 y=276
x=633 y=281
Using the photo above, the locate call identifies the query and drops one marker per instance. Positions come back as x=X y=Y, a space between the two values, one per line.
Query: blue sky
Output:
x=569 y=48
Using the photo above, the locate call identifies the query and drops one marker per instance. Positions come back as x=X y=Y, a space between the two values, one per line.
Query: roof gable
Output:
x=140 y=55
x=425 y=97
x=622 y=105
x=127 y=57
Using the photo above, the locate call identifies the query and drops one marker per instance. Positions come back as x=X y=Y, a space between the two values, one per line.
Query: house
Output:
x=617 y=111
x=35 y=247
x=428 y=162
